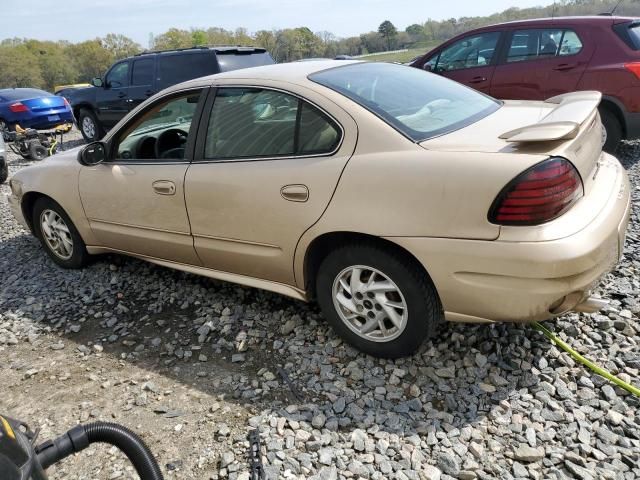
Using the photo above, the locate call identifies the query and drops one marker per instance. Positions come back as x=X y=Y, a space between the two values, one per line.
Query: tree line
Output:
x=44 y=64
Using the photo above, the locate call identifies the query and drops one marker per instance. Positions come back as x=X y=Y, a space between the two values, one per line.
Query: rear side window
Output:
x=541 y=43
x=629 y=33
x=142 y=72
x=179 y=68
x=236 y=61
x=262 y=123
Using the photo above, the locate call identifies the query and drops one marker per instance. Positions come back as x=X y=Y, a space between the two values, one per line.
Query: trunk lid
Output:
x=566 y=126
x=45 y=104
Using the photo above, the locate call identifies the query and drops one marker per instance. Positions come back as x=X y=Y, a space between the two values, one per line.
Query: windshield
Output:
x=420 y=105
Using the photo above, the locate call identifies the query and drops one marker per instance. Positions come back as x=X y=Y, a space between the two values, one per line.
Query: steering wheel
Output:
x=171 y=144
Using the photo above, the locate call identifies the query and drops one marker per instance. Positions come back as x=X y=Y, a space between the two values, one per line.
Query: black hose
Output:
x=81 y=437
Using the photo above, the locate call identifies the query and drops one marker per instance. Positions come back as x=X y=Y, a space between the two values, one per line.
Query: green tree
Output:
x=120 y=46
x=415 y=30
x=19 y=67
x=90 y=58
x=172 y=39
x=388 y=32
x=198 y=37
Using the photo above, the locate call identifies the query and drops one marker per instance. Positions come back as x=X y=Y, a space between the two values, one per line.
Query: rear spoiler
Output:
x=563 y=123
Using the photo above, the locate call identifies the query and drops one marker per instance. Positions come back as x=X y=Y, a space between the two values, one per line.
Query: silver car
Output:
x=4 y=168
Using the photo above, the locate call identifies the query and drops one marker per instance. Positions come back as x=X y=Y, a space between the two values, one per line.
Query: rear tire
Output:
x=89 y=126
x=37 y=151
x=391 y=308
x=59 y=237
x=613 y=130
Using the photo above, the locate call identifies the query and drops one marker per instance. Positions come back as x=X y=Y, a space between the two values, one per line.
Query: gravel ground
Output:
x=193 y=365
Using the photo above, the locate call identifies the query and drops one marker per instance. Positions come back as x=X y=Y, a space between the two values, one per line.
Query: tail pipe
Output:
x=80 y=437
x=591 y=305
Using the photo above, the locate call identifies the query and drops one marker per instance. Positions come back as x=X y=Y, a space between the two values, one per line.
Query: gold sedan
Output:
x=395 y=198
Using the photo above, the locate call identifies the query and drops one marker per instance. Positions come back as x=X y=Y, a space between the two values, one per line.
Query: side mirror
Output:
x=426 y=67
x=97 y=82
x=92 y=154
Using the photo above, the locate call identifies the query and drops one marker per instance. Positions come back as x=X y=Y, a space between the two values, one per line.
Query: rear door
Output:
x=539 y=63
x=268 y=164
x=113 y=98
x=142 y=75
x=469 y=60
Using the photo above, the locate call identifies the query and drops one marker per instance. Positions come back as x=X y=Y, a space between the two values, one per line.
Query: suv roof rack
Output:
x=222 y=48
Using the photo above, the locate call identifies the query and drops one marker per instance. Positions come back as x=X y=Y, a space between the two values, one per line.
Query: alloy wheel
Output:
x=88 y=127
x=56 y=234
x=370 y=303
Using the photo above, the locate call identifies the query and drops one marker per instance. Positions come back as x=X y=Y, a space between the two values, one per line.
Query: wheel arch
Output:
x=29 y=200
x=323 y=244
x=612 y=105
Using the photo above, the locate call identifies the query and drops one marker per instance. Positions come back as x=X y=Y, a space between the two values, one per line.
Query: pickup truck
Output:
x=131 y=81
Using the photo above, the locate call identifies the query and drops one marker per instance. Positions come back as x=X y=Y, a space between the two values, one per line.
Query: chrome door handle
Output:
x=164 y=187
x=478 y=80
x=295 y=193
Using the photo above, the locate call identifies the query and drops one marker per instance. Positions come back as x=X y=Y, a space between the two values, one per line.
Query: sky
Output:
x=77 y=20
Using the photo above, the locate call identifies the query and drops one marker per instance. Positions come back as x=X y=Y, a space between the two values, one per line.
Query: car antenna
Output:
x=553 y=11
x=613 y=10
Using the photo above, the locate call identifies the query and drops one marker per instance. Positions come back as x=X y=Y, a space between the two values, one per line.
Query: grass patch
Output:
x=400 y=57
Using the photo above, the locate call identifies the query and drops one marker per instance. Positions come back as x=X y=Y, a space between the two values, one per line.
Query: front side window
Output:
x=160 y=132
x=537 y=44
x=255 y=123
x=118 y=76
x=418 y=104
x=469 y=52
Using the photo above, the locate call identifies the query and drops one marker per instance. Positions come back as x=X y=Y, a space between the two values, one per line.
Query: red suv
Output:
x=538 y=59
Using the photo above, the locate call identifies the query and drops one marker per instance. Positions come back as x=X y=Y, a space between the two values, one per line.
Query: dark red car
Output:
x=538 y=59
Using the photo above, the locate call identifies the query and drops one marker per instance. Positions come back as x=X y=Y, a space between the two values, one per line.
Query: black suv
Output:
x=131 y=81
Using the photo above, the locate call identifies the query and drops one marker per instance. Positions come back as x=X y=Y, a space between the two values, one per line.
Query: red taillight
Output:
x=538 y=195
x=18 y=107
x=634 y=68
x=66 y=102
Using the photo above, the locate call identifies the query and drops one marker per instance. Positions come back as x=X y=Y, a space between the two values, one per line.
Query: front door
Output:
x=113 y=99
x=135 y=201
x=470 y=60
x=268 y=166
x=541 y=63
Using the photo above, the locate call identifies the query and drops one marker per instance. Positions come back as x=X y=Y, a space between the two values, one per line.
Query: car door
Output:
x=268 y=164
x=134 y=202
x=469 y=60
x=540 y=63
x=142 y=75
x=113 y=100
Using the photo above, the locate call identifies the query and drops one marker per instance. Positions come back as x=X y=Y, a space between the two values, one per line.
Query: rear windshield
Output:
x=629 y=33
x=420 y=105
x=22 y=94
x=235 y=61
x=179 y=68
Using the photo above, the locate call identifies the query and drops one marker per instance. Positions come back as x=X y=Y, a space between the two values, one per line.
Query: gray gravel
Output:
x=194 y=364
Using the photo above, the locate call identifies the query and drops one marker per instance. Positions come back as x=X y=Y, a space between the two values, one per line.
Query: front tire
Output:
x=89 y=126
x=378 y=300
x=612 y=130
x=58 y=234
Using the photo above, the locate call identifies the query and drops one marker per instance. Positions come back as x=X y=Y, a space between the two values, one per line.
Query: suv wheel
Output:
x=612 y=132
x=89 y=126
x=58 y=234
x=377 y=300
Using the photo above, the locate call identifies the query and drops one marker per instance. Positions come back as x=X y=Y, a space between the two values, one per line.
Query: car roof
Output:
x=22 y=93
x=578 y=20
x=294 y=72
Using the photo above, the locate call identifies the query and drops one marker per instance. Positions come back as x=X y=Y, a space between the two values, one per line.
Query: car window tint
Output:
x=468 y=52
x=251 y=122
x=534 y=44
x=160 y=132
x=22 y=93
x=571 y=43
x=118 y=76
x=317 y=134
x=235 y=61
x=142 y=72
x=177 y=68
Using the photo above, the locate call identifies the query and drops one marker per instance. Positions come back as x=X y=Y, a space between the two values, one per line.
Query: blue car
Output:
x=32 y=108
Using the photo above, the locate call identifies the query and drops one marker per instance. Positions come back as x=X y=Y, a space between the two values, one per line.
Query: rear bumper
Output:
x=42 y=122
x=510 y=281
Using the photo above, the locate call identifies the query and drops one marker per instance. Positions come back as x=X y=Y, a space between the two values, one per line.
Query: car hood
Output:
x=484 y=135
